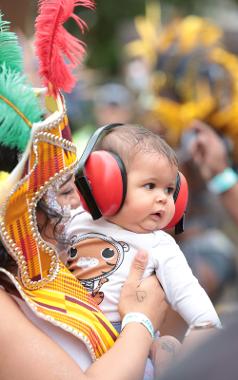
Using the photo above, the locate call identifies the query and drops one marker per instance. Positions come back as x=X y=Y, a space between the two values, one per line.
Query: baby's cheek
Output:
x=172 y=208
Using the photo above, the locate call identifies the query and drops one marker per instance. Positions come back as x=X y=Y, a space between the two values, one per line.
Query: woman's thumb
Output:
x=138 y=266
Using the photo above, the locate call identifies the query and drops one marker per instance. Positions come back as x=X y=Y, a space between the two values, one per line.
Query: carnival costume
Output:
x=192 y=75
x=45 y=284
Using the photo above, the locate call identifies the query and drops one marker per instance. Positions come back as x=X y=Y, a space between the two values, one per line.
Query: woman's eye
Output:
x=149 y=186
x=66 y=192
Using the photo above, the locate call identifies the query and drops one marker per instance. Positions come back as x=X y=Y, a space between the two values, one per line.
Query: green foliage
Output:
x=10 y=51
x=109 y=16
x=104 y=24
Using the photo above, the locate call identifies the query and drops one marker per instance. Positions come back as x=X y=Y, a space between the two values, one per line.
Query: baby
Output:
x=102 y=250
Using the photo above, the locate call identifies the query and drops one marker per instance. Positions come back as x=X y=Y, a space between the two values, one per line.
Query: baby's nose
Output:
x=161 y=196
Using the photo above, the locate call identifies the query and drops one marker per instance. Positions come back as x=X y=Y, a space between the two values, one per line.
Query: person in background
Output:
x=215 y=359
x=211 y=156
x=209 y=250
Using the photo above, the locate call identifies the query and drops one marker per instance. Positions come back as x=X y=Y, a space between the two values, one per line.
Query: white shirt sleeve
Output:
x=182 y=289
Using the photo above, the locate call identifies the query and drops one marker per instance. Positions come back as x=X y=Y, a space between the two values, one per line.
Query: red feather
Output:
x=59 y=51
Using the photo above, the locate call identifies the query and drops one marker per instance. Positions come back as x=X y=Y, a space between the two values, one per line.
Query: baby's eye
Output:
x=170 y=190
x=149 y=186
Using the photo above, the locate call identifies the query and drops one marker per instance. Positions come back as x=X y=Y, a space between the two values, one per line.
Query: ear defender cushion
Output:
x=106 y=175
x=180 y=200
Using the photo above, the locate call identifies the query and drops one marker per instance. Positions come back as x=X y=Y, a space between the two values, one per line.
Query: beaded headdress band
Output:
x=51 y=291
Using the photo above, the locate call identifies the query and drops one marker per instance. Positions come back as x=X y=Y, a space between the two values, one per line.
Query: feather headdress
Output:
x=18 y=108
x=11 y=51
x=58 y=51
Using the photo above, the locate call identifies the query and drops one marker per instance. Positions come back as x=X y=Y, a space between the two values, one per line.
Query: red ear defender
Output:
x=106 y=176
x=101 y=178
x=181 y=201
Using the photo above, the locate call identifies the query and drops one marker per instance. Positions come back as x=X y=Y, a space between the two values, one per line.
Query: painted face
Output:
x=68 y=194
x=149 y=204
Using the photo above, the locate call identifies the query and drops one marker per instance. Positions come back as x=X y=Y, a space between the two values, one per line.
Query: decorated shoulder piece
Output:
x=47 y=286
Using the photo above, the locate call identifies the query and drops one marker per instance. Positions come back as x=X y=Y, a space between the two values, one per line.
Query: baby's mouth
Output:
x=157 y=215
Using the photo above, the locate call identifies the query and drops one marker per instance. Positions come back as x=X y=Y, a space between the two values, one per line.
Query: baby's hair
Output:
x=128 y=140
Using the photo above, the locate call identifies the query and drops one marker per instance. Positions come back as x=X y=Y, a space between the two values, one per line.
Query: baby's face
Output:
x=149 y=203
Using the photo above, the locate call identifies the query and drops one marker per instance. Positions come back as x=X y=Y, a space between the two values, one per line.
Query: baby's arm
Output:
x=182 y=289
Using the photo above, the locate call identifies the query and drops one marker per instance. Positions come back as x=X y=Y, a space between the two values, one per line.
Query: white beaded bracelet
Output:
x=139 y=318
x=223 y=181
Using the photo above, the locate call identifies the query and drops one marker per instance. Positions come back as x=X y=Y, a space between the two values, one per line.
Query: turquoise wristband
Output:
x=223 y=181
x=139 y=318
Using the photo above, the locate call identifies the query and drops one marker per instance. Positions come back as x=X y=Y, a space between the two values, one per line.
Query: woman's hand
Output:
x=143 y=295
x=208 y=151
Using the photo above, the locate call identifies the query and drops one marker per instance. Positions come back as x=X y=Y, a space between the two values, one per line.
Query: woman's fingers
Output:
x=138 y=266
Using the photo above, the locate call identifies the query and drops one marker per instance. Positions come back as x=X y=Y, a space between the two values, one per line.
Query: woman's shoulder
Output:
x=9 y=308
x=10 y=317
x=6 y=301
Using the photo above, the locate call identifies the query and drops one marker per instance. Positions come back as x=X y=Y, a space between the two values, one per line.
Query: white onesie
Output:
x=102 y=254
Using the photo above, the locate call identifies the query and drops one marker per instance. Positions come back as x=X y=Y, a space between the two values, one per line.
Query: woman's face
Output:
x=59 y=200
x=68 y=194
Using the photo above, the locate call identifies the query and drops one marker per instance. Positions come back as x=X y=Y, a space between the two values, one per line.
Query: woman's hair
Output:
x=56 y=219
x=128 y=140
x=6 y=261
x=54 y=213
x=4 y=257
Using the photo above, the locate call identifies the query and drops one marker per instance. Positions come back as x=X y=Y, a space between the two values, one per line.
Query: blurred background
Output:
x=111 y=27
x=112 y=22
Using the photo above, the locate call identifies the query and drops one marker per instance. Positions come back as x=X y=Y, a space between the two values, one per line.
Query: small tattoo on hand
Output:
x=169 y=347
x=141 y=295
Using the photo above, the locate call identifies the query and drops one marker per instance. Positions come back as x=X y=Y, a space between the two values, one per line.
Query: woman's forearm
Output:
x=28 y=354
x=127 y=358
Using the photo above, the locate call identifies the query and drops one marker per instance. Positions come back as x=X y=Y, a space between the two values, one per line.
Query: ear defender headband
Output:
x=101 y=180
x=181 y=202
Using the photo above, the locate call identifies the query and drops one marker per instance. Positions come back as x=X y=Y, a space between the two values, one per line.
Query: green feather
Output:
x=10 y=50
x=14 y=131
